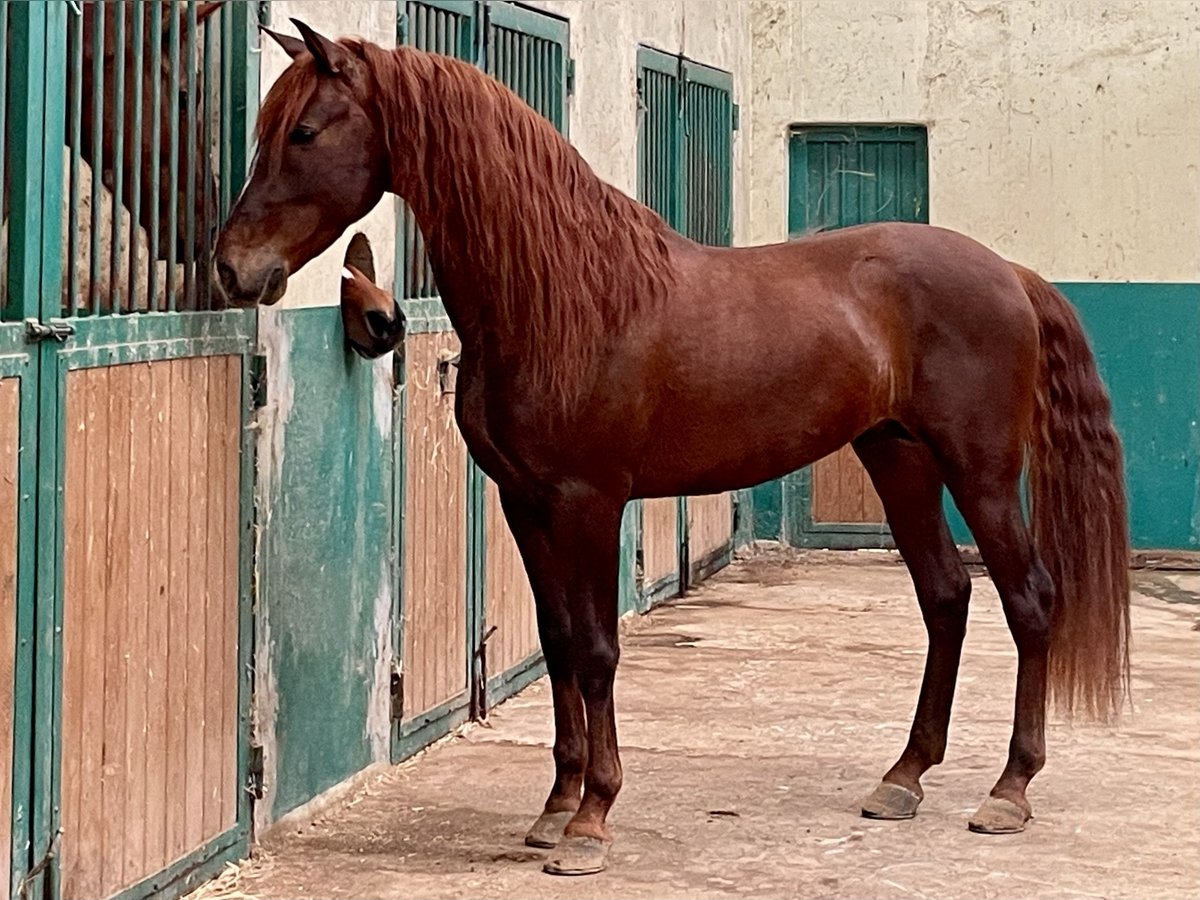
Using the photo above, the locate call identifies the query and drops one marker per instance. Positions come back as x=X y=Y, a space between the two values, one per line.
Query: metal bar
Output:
x=3 y=150
x=135 y=167
x=155 y=162
x=226 y=118
x=97 y=156
x=189 y=212
x=173 y=160
x=118 y=161
x=208 y=202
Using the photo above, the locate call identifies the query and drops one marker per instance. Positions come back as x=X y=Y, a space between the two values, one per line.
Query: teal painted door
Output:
x=133 y=391
x=529 y=51
x=685 y=174
x=841 y=176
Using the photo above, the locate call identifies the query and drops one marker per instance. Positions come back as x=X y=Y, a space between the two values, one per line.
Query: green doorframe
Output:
x=34 y=36
x=474 y=31
x=842 y=175
x=453 y=28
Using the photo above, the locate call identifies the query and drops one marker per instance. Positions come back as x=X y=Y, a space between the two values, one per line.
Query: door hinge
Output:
x=571 y=77
x=258 y=381
x=255 y=779
x=50 y=330
x=397 y=691
x=737 y=117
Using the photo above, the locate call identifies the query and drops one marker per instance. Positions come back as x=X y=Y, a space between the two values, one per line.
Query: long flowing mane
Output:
x=559 y=260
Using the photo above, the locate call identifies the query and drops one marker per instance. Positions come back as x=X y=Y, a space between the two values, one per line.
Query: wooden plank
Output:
x=86 y=857
x=74 y=596
x=116 y=663
x=216 y=597
x=232 y=448
x=435 y=545
x=660 y=538
x=10 y=442
x=197 y=584
x=158 y=553
x=137 y=608
x=177 y=623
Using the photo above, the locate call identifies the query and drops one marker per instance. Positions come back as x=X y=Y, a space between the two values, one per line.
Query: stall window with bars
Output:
x=149 y=109
x=525 y=49
x=686 y=121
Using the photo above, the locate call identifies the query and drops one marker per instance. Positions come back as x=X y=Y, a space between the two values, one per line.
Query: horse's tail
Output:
x=1079 y=512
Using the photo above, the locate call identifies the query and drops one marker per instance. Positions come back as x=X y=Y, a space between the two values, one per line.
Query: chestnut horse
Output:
x=605 y=358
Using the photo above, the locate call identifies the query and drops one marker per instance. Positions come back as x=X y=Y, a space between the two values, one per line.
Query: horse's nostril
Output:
x=228 y=278
x=378 y=324
x=274 y=281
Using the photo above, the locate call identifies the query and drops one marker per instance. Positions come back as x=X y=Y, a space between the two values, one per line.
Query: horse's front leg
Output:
x=570 y=546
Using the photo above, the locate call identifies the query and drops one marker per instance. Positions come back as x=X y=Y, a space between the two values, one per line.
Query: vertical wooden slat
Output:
x=92 y=384
x=157 y=436
x=112 y=788
x=230 y=710
x=10 y=441
x=75 y=572
x=216 y=597
x=176 y=612
x=137 y=617
x=197 y=597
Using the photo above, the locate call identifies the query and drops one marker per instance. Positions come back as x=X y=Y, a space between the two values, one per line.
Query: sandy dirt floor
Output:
x=753 y=716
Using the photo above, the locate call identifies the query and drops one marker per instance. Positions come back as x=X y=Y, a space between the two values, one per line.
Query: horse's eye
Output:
x=302 y=135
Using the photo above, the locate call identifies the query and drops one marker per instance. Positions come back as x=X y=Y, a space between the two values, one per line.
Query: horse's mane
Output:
x=560 y=260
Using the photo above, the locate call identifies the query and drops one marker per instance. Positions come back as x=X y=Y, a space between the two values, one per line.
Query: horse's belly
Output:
x=711 y=447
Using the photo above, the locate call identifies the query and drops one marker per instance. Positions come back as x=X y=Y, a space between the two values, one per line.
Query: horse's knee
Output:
x=595 y=662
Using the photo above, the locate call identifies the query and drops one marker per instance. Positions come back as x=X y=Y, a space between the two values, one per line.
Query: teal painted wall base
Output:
x=1146 y=337
x=324 y=564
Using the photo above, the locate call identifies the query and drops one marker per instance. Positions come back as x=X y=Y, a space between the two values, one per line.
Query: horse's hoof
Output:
x=578 y=855
x=547 y=831
x=891 y=801
x=999 y=816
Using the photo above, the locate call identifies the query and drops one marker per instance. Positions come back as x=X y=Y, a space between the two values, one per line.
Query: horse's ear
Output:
x=293 y=47
x=204 y=10
x=330 y=55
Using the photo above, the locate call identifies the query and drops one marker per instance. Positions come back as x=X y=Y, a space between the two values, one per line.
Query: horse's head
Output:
x=322 y=164
x=372 y=319
x=172 y=88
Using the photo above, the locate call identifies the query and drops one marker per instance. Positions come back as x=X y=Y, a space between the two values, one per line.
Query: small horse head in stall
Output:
x=171 y=87
x=371 y=317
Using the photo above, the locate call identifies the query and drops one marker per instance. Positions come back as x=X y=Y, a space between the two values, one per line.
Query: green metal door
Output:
x=134 y=581
x=841 y=176
x=438 y=496
x=529 y=51
x=686 y=121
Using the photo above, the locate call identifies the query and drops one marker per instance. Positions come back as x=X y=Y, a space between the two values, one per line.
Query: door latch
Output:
x=51 y=330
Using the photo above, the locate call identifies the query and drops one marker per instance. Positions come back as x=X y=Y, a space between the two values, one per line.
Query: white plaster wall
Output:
x=317 y=283
x=1065 y=134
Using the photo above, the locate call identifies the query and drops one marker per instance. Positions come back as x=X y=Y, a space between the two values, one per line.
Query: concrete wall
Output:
x=1062 y=134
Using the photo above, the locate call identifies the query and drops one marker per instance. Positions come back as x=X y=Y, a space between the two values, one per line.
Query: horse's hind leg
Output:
x=992 y=507
x=908 y=482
